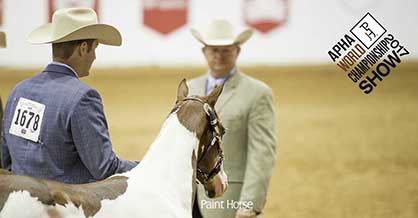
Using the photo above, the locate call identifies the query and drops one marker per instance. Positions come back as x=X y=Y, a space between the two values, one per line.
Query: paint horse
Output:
x=187 y=148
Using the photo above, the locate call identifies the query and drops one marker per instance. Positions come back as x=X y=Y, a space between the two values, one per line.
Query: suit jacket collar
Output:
x=55 y=68
x=228 y=90
x=212 y=81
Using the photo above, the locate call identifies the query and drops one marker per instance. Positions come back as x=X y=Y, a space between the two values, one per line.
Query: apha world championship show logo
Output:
x=369 y=56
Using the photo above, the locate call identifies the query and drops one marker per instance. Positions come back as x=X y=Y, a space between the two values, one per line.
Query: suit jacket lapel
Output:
x=228 y=91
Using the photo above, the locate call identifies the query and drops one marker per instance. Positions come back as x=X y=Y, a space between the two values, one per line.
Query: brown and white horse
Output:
x=162 y=185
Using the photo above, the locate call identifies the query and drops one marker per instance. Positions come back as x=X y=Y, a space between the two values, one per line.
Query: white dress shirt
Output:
x=213 y=82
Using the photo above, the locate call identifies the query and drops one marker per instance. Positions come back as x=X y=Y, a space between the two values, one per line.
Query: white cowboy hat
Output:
x=70 y=24
x=2 y=39
x=221 y=33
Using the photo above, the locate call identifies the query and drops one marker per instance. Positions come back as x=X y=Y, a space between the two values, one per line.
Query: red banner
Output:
x=165 y=16
x=266 y=15
x=57 y=4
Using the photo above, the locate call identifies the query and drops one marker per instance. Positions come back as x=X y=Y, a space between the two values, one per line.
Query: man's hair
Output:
x=64 y=50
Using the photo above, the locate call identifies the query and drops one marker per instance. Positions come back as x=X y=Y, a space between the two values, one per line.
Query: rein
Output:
x=216 y=137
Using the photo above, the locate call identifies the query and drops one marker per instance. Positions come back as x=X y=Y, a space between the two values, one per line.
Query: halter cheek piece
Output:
x=216 y=137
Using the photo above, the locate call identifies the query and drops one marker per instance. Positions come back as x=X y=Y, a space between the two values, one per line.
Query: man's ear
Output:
x=182 y=90
x=214 y=95
x=83 y=48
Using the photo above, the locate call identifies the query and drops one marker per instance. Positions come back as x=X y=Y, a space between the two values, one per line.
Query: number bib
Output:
x=27 y=119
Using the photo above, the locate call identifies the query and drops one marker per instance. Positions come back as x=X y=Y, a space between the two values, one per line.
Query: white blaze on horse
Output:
x=188 y=147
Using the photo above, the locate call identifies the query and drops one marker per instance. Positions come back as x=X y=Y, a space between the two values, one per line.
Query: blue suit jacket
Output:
x=74 y=144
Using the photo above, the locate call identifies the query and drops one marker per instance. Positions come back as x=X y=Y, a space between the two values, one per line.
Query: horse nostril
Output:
x=211 y=193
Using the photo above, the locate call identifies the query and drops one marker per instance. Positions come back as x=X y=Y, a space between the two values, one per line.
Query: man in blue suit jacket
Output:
x=2 y=45
x=54 y=126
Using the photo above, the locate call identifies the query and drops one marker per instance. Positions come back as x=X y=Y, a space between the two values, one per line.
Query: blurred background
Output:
x=341 y=153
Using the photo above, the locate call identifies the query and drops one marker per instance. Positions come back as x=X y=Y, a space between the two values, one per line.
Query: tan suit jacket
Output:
x=246 y=109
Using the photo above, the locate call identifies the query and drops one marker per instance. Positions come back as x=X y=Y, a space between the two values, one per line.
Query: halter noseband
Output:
x=216 y=136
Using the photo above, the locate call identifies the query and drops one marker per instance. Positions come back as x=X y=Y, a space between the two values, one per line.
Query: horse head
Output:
x=198 y=115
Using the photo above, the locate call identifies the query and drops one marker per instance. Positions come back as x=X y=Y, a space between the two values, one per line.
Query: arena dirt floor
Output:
x=341 y=153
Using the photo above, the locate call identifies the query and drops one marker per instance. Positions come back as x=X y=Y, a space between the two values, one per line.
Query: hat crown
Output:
x=67 y=19
x=221 y=33
x=220 y=30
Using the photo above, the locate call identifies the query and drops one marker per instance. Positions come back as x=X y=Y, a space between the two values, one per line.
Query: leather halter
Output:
x=216 y=137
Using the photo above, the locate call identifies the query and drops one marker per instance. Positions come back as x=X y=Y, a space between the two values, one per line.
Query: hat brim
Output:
x=239 y=40
x=3 y=40
x=105 y=34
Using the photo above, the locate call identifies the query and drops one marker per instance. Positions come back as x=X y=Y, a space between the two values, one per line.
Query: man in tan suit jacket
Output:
x=246 y=109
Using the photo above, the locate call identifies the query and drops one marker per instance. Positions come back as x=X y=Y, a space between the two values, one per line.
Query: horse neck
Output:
x=169 y=157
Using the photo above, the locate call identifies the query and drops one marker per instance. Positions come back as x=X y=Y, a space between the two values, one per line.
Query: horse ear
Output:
x=214 y=95
x=182 y=90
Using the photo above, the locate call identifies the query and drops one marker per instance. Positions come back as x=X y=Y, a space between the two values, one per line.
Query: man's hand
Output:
x=246 y=214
